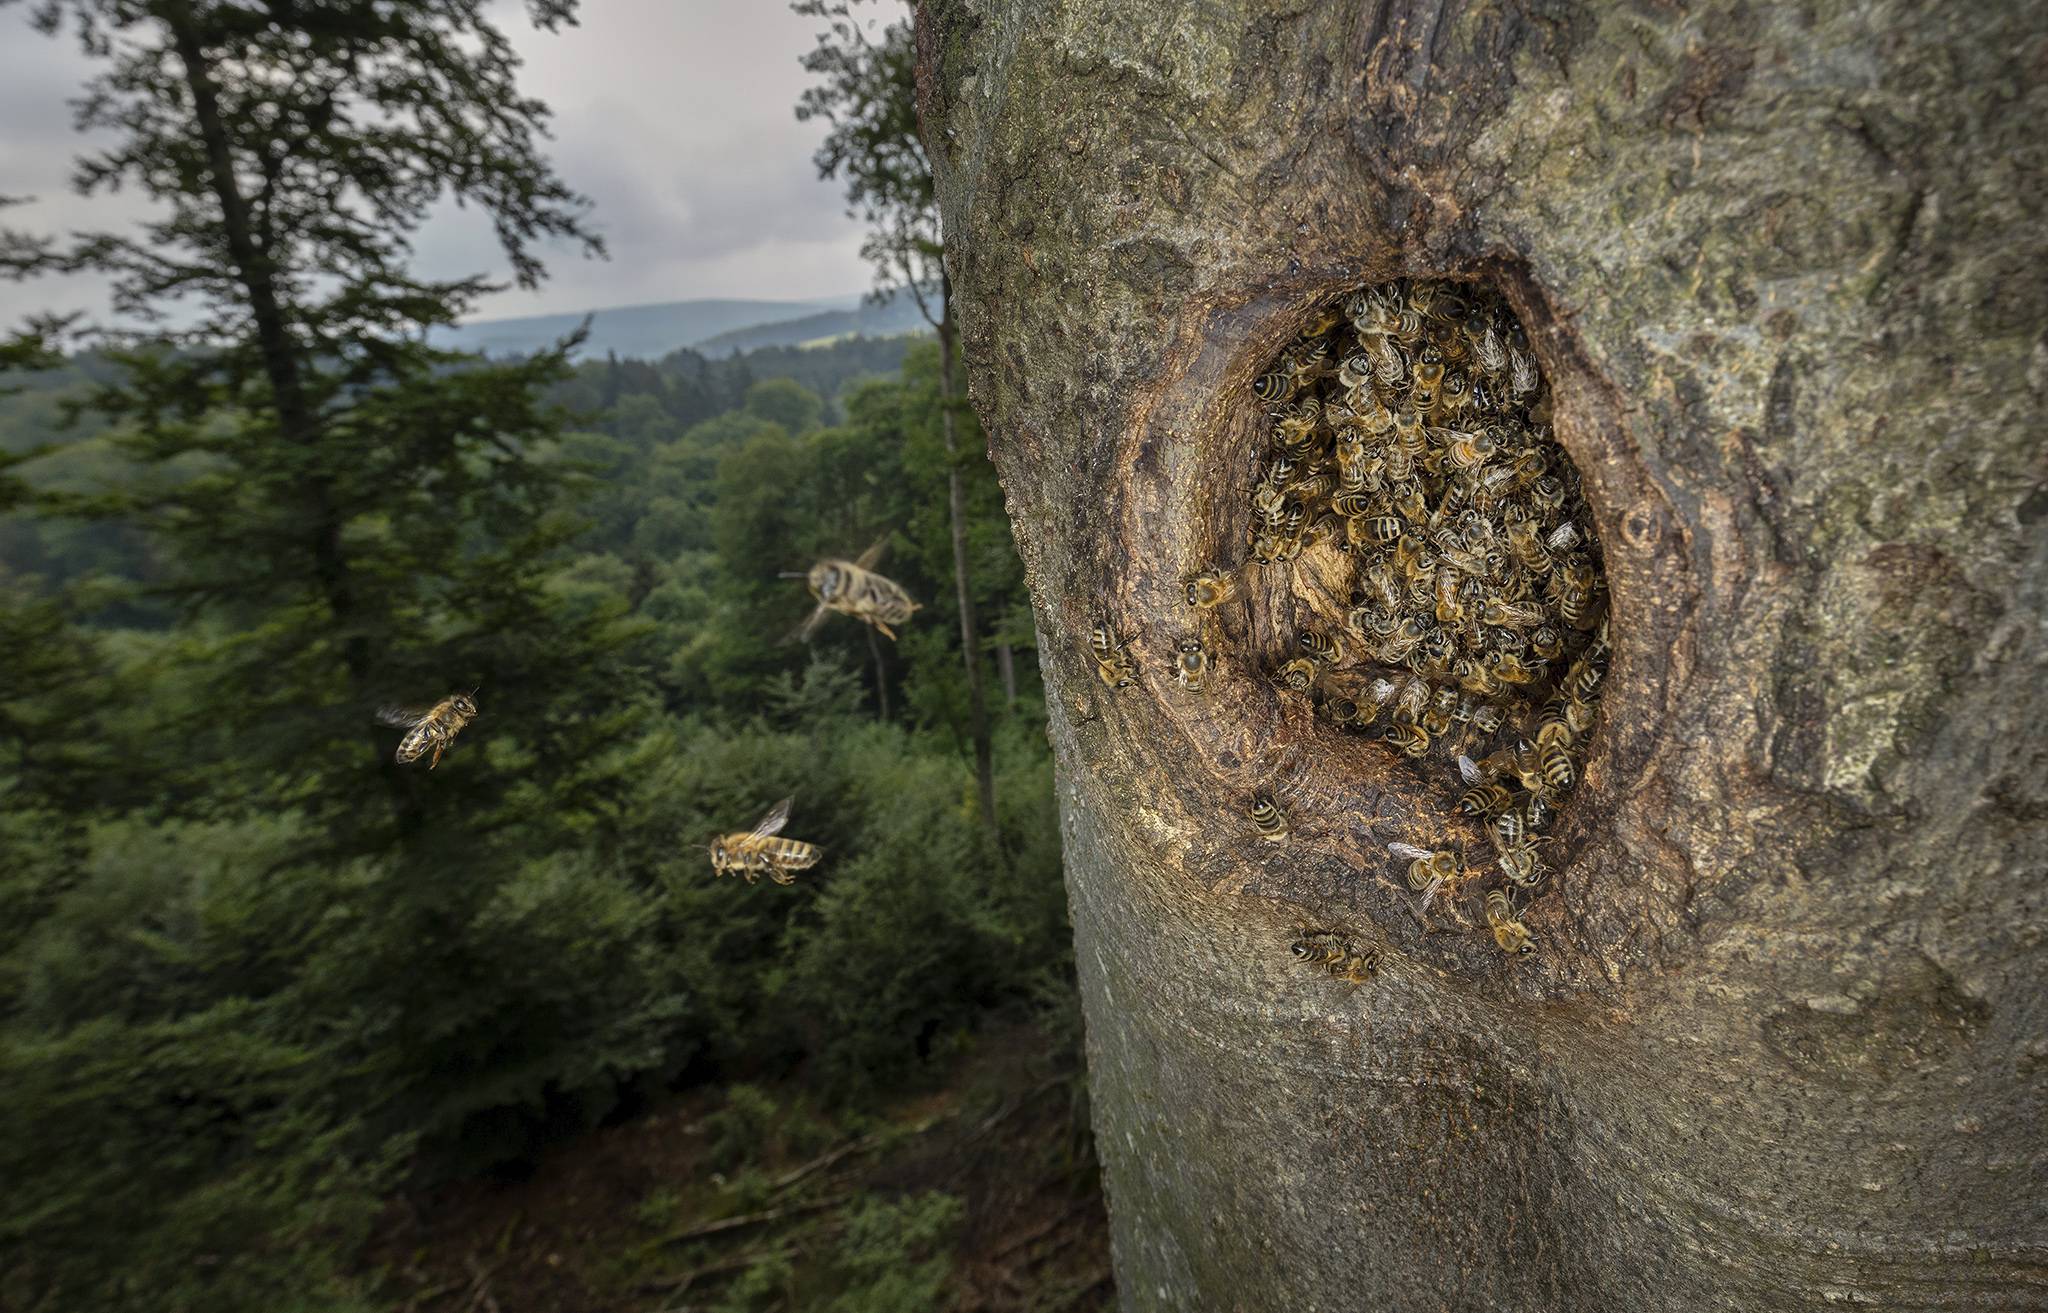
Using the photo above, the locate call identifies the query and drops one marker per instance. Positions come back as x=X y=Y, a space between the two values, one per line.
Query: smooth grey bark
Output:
x=963 y=596
x=1784 y=1044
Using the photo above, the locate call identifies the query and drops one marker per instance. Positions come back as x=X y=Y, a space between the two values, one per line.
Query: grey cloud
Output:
x=674 y=116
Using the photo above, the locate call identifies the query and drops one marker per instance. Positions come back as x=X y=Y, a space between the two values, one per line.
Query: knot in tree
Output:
x=1413 y=518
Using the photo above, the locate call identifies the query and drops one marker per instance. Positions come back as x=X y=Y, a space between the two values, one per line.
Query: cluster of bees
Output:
x=847 y=587
x=1410 y=434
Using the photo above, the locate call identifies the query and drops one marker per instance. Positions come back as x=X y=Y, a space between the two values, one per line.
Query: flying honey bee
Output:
x=429 y=728
x=1212 y=588
x=853 y=588
x=1508 y=930
x=760 y=851
x=1112 y=665
x=1269 y=820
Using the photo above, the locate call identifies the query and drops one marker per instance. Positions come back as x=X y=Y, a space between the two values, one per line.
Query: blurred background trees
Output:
x=257 y=978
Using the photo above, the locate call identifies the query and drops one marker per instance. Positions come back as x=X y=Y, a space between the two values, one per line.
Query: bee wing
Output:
x=1468 y=769
x=772 y=823
x=1562 y=537
x=401 y=717
x=873 y=555
x=1410 y=851
x=802 y=633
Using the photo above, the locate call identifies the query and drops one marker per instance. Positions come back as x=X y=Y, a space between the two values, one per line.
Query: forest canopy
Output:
x=258 y=975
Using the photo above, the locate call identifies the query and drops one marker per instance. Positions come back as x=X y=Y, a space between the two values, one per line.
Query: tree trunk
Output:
x=297 y=424
x=1006 y=668
x=881 y=676
x=1782 y=1045
x=956 y=506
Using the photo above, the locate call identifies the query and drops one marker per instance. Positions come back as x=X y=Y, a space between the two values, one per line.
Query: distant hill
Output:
x=645 y=332
x=714 y=328
x=897 y=317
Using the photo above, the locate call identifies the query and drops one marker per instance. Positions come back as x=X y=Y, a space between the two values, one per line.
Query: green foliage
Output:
x=893 y=1256
x=253 y=974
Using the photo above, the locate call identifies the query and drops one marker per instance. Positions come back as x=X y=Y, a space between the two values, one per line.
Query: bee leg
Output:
x=437 y=757
x=887 y=632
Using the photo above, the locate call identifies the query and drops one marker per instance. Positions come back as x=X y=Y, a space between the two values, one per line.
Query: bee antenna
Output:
x=793 y=574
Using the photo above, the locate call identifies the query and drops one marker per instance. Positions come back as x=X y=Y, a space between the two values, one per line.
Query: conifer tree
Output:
x=370 y=518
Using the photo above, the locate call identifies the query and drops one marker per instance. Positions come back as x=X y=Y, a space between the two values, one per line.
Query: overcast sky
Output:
x=673 y=116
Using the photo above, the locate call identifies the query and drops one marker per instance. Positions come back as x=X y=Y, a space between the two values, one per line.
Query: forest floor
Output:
x=637 y=1218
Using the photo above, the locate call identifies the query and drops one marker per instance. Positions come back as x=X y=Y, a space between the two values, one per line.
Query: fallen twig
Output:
x=751 y=1219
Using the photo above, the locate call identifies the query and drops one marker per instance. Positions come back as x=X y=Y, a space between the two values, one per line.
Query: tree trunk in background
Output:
x=1784 y=1044
x=881 y=676
x=956 y=504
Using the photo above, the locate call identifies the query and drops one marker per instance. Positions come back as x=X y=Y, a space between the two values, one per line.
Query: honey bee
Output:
x=1297 y=676
x=1426 y=869
x=1411 y=504
x=1112 y=664
x=1522 y=376
x=1572 y=588
x=1410 y=738
x=1520 y=866
x=853 y=588
x=1273 y=387
x=1297 y=425
x=1470 y=450
x=1508 y=930
x=1383 y=528
x=1376 y=582
x=1490 y=354
x=1450 y=609
x=1486 y=797
x=1211 y=589
x=759 y=851
x=1546 y=643
x=1354 y=504
x=1318 y=947
x=1509 y=668
x=1407 y=636
x=1556 y=761
x=429 y=728
x=1269 y=820
x=1511 y=615
x=1581 y=681
x=1191 y=665
x=1351 y=470
x=1330 y=950
x=1320 y=647
x=1409 y=435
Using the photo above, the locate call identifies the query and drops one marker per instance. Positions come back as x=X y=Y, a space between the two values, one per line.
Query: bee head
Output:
x=826 y=580
x=466 y=703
